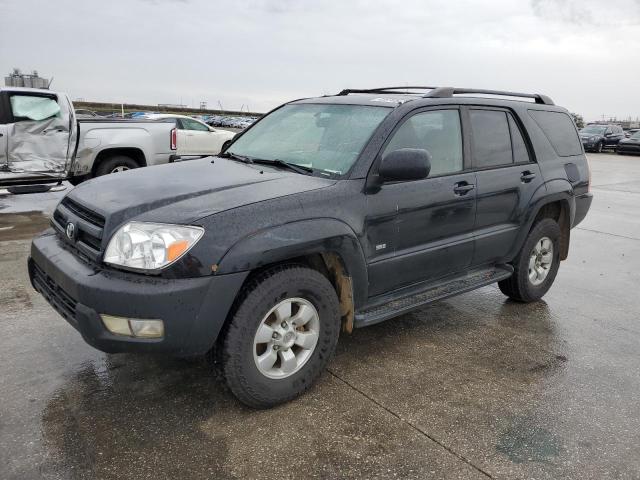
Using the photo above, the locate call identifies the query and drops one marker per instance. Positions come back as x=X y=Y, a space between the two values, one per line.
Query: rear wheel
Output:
x=536 y=266
x=281 y=336
x=116 y=164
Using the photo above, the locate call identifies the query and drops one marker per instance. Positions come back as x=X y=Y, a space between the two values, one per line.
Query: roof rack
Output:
x=447 y=92
x=385 y=90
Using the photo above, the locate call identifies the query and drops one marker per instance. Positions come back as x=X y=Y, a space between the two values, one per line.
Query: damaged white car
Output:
x=42 y=142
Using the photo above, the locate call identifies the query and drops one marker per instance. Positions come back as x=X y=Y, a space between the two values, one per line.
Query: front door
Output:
x=38 y=134
x=200 y=139
x=422 y=230
x=507 y=178
x=4 y=161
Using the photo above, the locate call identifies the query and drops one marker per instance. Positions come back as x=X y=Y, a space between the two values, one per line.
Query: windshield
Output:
x=327 y=138
x=636 y=135
x=597 y=129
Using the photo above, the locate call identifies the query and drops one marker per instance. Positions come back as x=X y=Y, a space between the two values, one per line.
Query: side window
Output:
x=608 y=131
x=26 y=108
x=520 y=153
x=560 y=130
x=193 y=125
x=491 y=138
x=437 y=131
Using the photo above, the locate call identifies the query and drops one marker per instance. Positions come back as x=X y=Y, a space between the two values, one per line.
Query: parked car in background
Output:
x=43 y=142
x=214 y=120
x=597 y=137
x=195 y=137
x=84 y=113
x=629 y=133
x=631 y=145
x=330 y=214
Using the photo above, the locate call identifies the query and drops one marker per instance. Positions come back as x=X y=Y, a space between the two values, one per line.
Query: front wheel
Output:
x=281 y=336
x=599 y=147
x=536 y=266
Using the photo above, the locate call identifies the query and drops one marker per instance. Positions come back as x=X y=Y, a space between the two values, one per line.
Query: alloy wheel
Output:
x=286 y=338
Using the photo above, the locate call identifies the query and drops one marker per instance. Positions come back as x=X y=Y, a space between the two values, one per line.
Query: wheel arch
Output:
x=132 y=152
x=327 y=245
x=559 y=206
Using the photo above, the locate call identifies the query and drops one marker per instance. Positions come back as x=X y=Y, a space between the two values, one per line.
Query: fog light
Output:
x=147 y=328
x=133 y=327
x=117 y=325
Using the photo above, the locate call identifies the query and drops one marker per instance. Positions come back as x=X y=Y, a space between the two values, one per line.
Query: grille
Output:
x=83 y=212
x=64 y=303
x=89 y=225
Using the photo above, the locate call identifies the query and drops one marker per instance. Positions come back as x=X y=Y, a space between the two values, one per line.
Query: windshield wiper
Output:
x=291 y=166
x=235 y=156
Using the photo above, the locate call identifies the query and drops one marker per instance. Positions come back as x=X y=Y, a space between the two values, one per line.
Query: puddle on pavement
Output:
x=21 y=226
x=526 y=441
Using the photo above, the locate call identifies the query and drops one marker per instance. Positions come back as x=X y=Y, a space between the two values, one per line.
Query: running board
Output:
x=417 y=298
x=36 y=188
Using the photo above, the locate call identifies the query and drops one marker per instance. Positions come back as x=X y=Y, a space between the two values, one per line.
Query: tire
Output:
x=111 y=164
x=264 y=387
x=520 y=286
x=599 y=147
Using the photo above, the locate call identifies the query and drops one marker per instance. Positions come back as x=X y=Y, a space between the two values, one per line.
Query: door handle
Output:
x=462 y=188
x=527 y=176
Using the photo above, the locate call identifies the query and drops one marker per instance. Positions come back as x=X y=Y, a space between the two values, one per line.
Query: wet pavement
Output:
x=472 y=387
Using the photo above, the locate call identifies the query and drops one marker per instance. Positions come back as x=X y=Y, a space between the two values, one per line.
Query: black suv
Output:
x=596 y=137
x=327 y=214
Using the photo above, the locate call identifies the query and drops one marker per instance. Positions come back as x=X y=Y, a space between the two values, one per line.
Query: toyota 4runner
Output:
x=326 y=215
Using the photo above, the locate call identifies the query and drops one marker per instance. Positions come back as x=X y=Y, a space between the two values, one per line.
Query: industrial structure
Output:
x=30 y=80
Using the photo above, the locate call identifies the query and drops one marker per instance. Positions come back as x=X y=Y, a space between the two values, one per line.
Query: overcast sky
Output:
x=584 y=54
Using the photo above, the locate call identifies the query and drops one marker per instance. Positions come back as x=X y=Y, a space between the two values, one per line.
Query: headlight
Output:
x=150 y=246
x=593 y=138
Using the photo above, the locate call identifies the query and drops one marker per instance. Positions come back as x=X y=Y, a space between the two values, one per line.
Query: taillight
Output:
x=174 y=138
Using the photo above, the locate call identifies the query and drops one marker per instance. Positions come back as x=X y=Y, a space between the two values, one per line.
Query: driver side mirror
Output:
x=405 y=164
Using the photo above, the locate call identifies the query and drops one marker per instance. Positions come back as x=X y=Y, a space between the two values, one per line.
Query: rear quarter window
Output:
x=560 y=130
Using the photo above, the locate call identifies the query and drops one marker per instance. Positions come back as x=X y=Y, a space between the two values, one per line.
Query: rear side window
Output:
x=491 y=138
x=560 y=130
x=520 y=153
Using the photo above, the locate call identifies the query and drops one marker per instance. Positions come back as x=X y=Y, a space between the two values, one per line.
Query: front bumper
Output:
x=633 y=148
x=193 y=310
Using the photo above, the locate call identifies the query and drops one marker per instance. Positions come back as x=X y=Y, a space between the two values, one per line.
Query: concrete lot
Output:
x=472 y=387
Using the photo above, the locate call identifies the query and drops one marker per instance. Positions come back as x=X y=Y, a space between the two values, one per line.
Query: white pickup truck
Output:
x=42 y=142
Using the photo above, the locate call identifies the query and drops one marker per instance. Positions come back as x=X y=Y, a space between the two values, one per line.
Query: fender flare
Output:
x=558 y=190
x=297 y=239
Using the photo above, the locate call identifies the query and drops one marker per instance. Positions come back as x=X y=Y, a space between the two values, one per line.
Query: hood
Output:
x=187 y=191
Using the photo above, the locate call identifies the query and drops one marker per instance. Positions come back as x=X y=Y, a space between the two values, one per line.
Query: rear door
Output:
x=507 y=178
x=38 y=133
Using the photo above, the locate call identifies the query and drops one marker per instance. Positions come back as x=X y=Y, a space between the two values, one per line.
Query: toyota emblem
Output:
x=70 y=230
